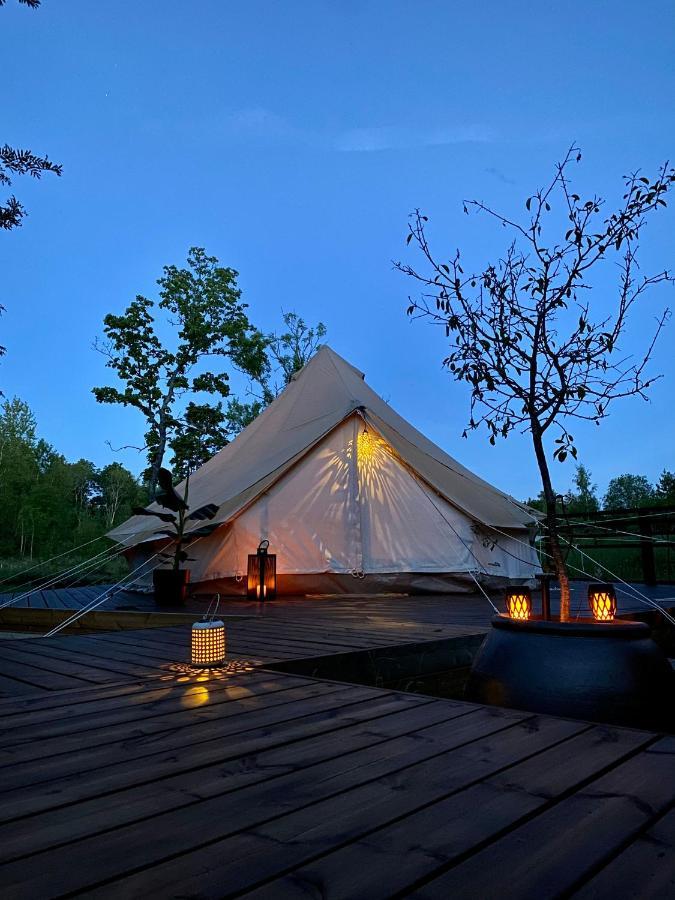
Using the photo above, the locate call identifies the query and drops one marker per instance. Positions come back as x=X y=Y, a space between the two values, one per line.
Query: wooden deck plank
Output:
x=167 y=697
x=37 y=599
x=263 y=638
x=150 y=656
x=37 y=676
x=65 y=754
x=330 y=750
x=78 y=775
x=144 y=660
x=172 y=642
x=170 y=833
x=18 y=653
x=406 y=852
x=119 y=667
x=53 y=700
x=379 y=789
x=14 y=687
x=76 y=598
x=90 y=784
x=309 y=835
x=574 y=836
x=645 y=870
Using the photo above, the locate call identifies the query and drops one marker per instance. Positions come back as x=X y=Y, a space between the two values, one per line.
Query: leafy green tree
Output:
x=117 y=492
x=207 y=322
x=665 y=488
x=293 y=348
x=18 y=469
x=241 y=413
x=84 y=479
x=204 y=431
x=51 y=516
x=628 y=492
x=538 y=502
x=286 y=353
x=20 y=162
x=522 y=332
x=585 y=498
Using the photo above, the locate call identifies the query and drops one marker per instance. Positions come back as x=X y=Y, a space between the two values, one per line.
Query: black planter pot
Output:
x=170 y=587
x=603 y=672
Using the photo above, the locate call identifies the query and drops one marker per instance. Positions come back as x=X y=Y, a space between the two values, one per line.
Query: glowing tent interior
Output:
x=351 y=498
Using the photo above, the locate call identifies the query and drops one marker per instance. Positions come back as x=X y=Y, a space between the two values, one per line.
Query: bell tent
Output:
x=351 y=498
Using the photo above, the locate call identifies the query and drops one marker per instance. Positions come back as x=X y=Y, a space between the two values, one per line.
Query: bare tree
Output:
x=523 y=333
x=33 y=4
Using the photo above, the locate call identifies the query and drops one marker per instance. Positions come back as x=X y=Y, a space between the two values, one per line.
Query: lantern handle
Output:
x=215 y=600
x=263 y=546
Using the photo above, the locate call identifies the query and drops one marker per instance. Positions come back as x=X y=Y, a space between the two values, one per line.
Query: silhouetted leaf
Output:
x=167 y=495
x=204 y=512
x=142 y=511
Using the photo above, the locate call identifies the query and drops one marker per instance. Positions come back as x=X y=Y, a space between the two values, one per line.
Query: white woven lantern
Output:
x=208 y=644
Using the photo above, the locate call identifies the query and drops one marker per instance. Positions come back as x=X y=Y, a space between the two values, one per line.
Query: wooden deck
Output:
x=453 y=609
x=127 y=774
x=195 y=786
x=285 y=630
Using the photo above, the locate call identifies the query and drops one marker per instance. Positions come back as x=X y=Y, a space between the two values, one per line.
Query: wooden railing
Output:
x=643 y=535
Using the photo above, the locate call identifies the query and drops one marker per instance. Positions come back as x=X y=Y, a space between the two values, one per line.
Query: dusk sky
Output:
x=291 y=140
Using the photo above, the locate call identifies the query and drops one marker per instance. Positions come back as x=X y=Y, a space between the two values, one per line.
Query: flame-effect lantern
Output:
x=261 y=582
x=519 y=603
x=602 y=601
x=208 y=644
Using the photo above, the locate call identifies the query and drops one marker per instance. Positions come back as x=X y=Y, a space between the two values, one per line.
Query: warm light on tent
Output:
x=519 y=603
x=261 y=582
x=208 y=643
x=602 y=601
x=366 y=446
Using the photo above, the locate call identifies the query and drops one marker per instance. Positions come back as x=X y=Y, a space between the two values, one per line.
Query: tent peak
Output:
x=325 y=355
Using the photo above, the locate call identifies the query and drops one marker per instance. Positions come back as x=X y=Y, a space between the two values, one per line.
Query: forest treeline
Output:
x=625 y=491
x=49 y=505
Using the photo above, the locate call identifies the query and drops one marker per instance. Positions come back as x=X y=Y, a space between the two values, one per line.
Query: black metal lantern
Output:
x=602 y=601
x=519 y=603
x=261 y=582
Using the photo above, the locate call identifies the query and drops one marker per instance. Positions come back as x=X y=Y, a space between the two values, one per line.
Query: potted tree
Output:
x=171 y=583
x=537 y=355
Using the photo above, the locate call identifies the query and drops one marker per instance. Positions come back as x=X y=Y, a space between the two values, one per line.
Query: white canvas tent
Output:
x=351 y=497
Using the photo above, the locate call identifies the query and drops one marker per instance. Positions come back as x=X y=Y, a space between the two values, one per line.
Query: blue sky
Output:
x=292 y=140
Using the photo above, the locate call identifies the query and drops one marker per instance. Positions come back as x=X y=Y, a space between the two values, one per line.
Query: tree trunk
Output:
x=552 y=541
x=157 y=460
x=180 y=538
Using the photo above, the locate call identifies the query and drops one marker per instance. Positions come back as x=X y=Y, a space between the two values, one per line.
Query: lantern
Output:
x=366 y=446
x=208 y=644
x=602 y=601
x=519 y=603
x=262 y=573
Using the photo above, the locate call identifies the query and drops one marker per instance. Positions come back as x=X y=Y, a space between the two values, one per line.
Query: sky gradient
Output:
x=292 y=140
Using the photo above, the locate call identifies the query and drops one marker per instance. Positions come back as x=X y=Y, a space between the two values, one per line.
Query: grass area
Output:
x=17 y=573
x=625 y=563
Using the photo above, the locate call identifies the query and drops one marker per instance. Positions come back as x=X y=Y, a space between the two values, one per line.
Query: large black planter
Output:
x=170 y=586
x=603 y=672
